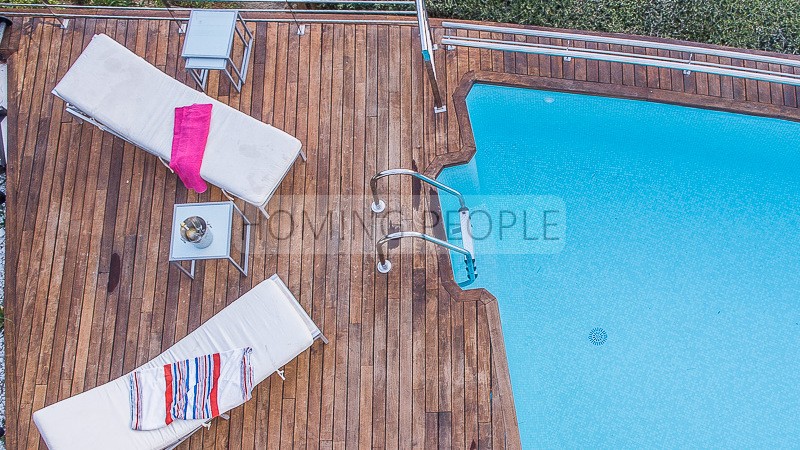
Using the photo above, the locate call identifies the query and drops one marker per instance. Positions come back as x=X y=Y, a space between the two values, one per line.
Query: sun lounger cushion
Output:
x=195 y=388
x=137 y=101
x=266 y=318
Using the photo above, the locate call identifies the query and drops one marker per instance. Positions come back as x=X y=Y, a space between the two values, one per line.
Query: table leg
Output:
x=235 y=264
x=246 y=253
x=189 y=272
x=200 y=77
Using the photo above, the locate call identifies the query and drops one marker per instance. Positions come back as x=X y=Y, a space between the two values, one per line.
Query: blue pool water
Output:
x=664 y=308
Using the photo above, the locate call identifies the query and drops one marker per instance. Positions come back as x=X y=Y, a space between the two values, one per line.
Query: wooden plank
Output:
x=664 y=75
x=592 y=67
x=13 y=239
x=739 y=89
x=714 y=81
x=579 y=64
x=380 y=285
x=409 y=204
x=470 y=373
x=52 y=351
x=431 y=430
x=333 y=426
x=286 y=266
x=320 y=359
x=726 y=83
x=690 y=80
x=508 y=58
x=31 y=94
x=678 y=83
x=628 y=70
x=457 y=362
x=485 y=54
x=789 y=92
x=393 y=149
x=521 y=59
x=82 y=213
x=298 y=266
x=701 y=79
x=651 y=73
x=367 y=303
x=37 y=299
x=27 y=258
x=542 y=61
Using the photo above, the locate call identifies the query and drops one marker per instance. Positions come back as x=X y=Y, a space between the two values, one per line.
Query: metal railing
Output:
x=378 y=206
x=686 y=63
x=428 y=47
x=384 y=265
x=409 y=12
x=180 y=14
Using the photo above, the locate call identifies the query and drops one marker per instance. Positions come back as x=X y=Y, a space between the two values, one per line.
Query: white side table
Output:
x=209 y=43
x=219 y=217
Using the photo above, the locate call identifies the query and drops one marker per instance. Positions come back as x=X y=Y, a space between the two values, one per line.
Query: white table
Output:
x=208 y=45
x=219 y=218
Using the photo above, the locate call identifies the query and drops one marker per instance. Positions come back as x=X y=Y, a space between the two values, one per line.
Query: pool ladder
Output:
x=467 y=251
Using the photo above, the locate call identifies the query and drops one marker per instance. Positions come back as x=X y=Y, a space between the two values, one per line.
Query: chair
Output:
x=267 y=318
x=116 y=90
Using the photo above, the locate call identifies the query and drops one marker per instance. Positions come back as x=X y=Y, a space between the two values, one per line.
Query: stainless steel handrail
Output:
x=642 y=60
x=66 y=12
x=186 y=19
x=626 y=42
x=182 y=8
x=378 y=205
x=428 y=47
x=384 y=265
x=616 y=53
x=187 y=10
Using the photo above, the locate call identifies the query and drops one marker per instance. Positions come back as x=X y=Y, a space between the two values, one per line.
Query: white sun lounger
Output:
x=123 y=94
x=267 y=318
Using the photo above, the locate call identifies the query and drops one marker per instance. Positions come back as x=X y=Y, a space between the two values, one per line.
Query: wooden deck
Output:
x=412 y=361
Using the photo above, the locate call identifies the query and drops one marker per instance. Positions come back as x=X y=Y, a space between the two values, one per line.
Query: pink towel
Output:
x=189 y=138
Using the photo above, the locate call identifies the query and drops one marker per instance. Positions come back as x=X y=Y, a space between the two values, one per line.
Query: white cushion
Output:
x=136 y=100
x=246 y=157
x=267 y=318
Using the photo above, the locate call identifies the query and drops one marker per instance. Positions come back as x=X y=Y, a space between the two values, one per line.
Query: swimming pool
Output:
x=667 y=311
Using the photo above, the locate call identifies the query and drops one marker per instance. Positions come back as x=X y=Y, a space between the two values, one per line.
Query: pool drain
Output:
x=598 y=336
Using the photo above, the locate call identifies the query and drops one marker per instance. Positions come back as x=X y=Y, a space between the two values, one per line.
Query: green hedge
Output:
x=760 y=24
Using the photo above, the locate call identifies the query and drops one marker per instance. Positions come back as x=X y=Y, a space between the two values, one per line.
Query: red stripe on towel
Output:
x=137 y=401
x=214 y=405
x=168 y=378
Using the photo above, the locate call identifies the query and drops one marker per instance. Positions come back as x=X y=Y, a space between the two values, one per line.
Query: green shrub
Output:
x=760 y=24
x=772 y=25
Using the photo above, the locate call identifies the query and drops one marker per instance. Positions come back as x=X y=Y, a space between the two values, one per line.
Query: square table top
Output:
x=218 y=216
x=210 y=33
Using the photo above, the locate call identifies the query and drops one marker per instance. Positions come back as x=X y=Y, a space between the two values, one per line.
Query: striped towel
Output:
x=197 y=388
